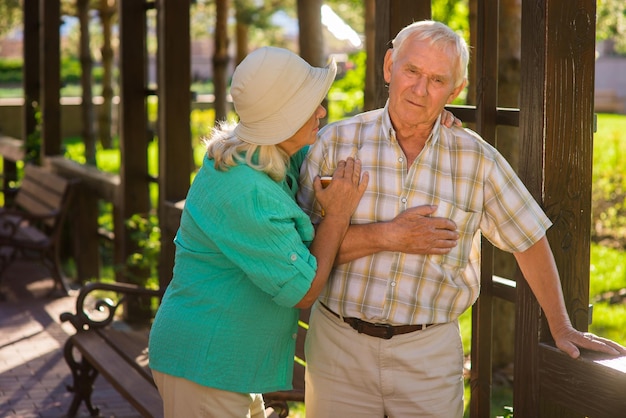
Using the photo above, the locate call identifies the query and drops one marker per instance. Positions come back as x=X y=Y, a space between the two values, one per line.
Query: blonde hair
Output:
x=438 y=35
x=228 y=150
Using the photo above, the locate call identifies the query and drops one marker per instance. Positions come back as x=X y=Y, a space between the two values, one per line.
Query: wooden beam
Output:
x=103 y=185
x=594 y=385
x=11 y=149
x=556 y=125
x=31 y=68
x=174 y=92
x=486 y=101
x=50 y=76
x=134 y=197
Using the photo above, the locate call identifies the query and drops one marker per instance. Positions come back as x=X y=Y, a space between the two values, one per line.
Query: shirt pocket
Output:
x=467 y=225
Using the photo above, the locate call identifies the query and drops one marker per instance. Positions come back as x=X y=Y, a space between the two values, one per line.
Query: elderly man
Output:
x=384 y=336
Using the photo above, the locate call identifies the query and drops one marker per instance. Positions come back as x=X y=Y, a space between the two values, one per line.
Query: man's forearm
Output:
x=540 y=271
x=361 y=241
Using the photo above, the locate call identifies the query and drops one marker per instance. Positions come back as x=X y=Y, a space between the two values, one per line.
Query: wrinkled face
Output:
x=307 y=133
x=421 y=82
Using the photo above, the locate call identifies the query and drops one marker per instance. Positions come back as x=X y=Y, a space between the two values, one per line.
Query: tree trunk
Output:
x=242 y=26
x=86 y=81
x=241 y=33
x=220 y=60
x=106 y=12
x=311 y=39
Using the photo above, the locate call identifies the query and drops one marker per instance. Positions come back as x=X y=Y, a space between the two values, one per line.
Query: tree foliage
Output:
x=453 y=13
x=611 y=23
x=10 y=15
x=351 y=11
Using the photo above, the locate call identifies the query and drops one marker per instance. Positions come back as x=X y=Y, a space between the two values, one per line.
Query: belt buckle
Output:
x=388 y=329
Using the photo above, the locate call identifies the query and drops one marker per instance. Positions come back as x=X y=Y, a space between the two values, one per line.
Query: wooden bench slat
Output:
x=131 y=384
x=132 y=345
x=46 y=178
x=42 y=194
x=53 y=183
x=38 y=200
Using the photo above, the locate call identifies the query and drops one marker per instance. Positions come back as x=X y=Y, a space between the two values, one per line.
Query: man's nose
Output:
x=420 y=86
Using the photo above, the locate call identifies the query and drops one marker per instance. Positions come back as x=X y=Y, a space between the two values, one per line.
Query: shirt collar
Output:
x=390 y=133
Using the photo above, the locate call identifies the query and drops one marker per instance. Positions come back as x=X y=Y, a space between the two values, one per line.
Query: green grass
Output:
x=608 y=274
x=608 y=264
x=609 y=147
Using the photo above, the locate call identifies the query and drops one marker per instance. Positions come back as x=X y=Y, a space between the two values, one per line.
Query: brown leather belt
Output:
x=384 y=331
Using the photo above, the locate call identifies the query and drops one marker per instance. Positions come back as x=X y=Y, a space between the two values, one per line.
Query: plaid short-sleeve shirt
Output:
x=469 y=181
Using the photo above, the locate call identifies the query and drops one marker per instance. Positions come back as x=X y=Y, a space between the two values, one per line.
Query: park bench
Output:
x=32 y=225
x=104 y=345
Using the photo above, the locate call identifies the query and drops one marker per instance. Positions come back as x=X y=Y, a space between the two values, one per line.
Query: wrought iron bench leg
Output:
x=83 y=375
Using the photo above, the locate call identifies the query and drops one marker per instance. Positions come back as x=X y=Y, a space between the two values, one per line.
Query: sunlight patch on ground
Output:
x=30 y=343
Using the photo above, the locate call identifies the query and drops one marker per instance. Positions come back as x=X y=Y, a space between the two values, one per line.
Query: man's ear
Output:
x=387 y=64
x=457 y=90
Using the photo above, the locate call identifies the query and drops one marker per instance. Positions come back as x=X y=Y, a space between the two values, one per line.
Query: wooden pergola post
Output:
x=175 y=151
x=133 y=195
x=486 y=94
x=32 y=88
x=50 y=76
x=556 y=126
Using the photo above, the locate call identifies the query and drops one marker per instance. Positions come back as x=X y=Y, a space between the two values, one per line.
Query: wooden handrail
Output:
x=104 y=185
x=596 y=383
x=11 y=148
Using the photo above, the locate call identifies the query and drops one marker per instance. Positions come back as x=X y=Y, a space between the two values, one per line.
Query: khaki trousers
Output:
x=352 y=375
x=184 y=398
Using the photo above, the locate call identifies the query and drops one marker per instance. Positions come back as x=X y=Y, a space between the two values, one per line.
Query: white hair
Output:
x=228 y=150
x=438 y=35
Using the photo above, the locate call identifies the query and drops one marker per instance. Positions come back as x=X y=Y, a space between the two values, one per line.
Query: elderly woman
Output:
x=247 y=257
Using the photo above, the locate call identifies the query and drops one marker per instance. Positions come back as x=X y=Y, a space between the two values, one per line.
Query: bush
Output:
x=11 y=70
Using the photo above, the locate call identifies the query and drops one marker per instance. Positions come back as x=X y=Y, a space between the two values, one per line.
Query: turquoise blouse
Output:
x=242 y=262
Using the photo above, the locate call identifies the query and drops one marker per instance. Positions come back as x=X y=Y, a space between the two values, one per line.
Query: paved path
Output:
x=33 y=373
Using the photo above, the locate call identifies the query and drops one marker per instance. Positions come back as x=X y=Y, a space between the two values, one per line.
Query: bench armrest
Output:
x=83 y=320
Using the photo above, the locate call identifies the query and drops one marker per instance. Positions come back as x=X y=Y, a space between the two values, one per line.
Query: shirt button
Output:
x=294 y=336
x=403 y=200
x=393 y=284
x=293 y=256
x=400 y=159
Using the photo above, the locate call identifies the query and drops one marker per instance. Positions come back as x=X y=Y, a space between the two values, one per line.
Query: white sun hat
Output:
x=275 y=92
